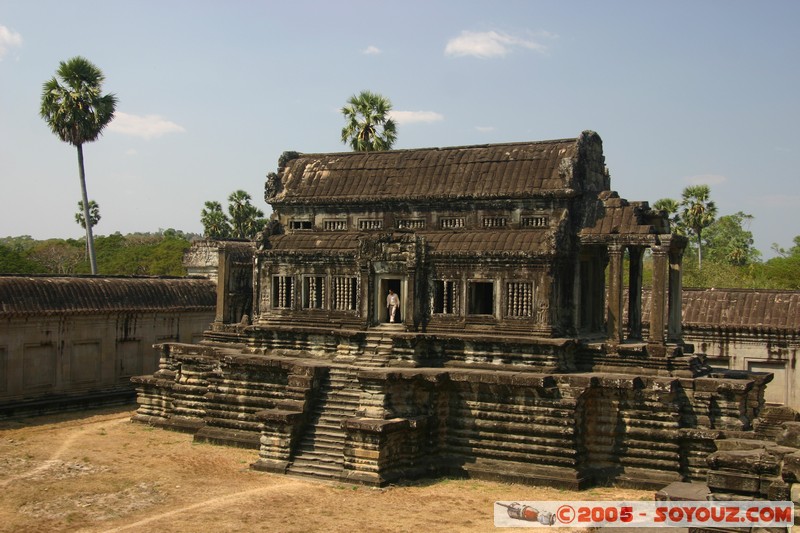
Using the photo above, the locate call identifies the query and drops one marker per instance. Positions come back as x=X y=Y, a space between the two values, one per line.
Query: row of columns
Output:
x=665 y=298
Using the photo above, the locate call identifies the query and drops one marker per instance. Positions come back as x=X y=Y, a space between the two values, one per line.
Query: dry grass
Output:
x=99 y=472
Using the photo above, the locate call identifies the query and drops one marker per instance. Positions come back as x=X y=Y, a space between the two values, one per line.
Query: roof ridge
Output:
x=302 y=155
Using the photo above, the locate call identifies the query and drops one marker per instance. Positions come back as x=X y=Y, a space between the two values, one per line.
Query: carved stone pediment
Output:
x=398 y=248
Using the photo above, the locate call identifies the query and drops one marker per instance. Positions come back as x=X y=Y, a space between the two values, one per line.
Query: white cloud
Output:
x=372 y=51
x=8 y=39
x=489 y=44
x=146 y=127
x=410 y=117
x=485 y=129
x=705 y=179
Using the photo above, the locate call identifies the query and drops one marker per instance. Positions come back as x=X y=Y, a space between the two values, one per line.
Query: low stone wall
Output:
x=75 y=342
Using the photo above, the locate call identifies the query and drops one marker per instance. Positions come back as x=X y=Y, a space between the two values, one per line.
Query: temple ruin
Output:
x=519 y=352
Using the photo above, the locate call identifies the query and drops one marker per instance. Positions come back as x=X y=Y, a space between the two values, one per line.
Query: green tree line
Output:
x=135 y=254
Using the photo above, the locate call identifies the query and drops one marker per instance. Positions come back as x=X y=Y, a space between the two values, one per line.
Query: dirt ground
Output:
x=96 y=471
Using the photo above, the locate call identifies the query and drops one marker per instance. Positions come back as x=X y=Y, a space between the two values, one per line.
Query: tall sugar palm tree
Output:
x=698 y=212
x=77 y=112
x=368 y=126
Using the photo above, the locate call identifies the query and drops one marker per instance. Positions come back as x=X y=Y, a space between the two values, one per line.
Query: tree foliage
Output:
x=243 y=221
x=728 y=240
x=368 y=126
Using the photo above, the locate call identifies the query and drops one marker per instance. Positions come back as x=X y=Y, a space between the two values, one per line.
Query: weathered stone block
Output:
x=791 y=467
x=740 y=483
x=680 y=491
x=790 y=436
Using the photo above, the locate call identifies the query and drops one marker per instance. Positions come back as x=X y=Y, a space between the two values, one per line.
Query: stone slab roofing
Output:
x=512 y=170
x=756 y=310
x=614 y=216
x=483 y=242
x=49 y=295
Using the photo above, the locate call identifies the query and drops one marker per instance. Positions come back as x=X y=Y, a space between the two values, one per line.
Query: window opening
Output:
x=299 y=224
x=481 y=298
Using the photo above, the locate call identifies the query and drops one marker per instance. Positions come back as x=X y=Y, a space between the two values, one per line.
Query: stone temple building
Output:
x=510 y=356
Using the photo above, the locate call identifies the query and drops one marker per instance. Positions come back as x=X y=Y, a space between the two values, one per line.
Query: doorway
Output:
x=396 y=286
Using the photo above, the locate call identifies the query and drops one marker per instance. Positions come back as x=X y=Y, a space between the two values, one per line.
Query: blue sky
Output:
x=211 y=93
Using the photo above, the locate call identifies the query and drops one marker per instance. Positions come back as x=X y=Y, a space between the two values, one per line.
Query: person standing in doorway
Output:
x=392 y=303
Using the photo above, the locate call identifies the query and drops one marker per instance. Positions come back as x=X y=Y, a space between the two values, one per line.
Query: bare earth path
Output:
x=98 y=472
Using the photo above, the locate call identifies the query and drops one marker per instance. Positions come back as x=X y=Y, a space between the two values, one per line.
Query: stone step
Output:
x=315 y=471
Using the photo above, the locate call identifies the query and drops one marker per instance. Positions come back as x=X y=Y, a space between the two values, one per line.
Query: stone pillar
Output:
x=674 y=328
x=635 y=293
x=658 y=299
x=615 y=293
x=576 y=296
x=408 y=305
x=223 y=279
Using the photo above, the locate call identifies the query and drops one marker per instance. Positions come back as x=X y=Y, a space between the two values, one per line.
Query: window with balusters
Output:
x=445 y=297
x=537 y=221
x=344 y=293
x=282 y=292
x=370 y=224
x=495 y=222
x=334 y=225
x=451 y=222
x=519 y=299
x=411 y=223
x=313 y=292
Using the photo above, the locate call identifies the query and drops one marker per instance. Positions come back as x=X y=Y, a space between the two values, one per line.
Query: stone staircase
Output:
x=321 y=449
x=320 y=452
x=377 y=351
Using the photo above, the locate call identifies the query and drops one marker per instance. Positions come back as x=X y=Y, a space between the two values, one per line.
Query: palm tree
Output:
x=94 y=217
x=670 y=207
x=94 y=214
x=215 y=222
x=77 y=112
x=698 y=212
x=368 y=125
x=246 y=219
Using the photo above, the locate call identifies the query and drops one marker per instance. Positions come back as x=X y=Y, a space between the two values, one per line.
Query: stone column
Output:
x=674 y=328
x=658 y=298
x=223 y=280
x=615 y=293
x=635 y=293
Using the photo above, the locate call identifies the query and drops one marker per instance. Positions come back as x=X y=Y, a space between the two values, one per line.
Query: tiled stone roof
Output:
x=737 y=309
x=529 y=242
x=511 y=170
x=484 y=242
x=317 y=240
x=763 y=309
x=48 y=295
